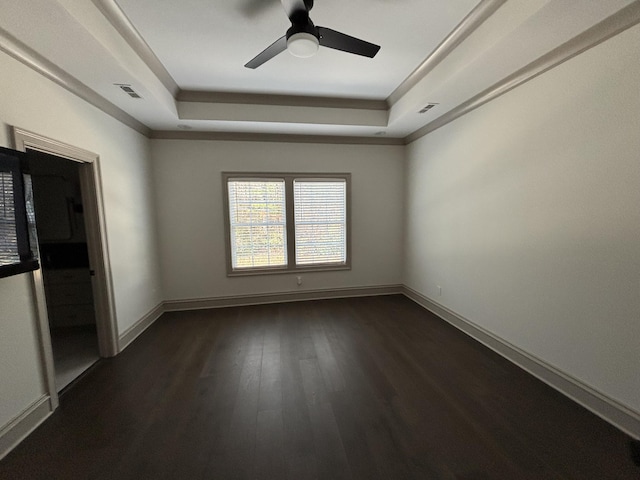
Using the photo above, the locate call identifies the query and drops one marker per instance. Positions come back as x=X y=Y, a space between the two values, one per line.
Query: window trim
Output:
x=289 y=220
x=14 y=164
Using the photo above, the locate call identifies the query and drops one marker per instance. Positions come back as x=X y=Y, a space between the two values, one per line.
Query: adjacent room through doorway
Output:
x=62 y=242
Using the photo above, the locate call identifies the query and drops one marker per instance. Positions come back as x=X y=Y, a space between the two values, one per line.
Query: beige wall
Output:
x=29 y=101
x=524 y=211
x=189 y=205
x=527 y=213
x=21 y=376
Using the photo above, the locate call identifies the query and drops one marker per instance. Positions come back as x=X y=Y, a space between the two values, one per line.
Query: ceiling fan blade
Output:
x=346 y=43
x=268 y=53
x=252 y=8
x=292 y=6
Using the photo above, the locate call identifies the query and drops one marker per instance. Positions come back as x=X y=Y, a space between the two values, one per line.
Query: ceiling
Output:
x=185 y=58
x=204 y=45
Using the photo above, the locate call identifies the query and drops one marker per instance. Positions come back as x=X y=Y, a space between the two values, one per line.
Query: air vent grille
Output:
x=128 y=90
x=428 y=107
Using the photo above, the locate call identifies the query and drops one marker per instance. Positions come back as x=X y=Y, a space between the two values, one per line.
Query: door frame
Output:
x=101 y=281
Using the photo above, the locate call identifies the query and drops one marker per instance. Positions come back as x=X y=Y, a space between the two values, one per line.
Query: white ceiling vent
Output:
x=428 y=107
x=128 y=90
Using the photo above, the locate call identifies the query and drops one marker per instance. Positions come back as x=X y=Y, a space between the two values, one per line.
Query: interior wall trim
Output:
x=280 y=100
x=25 y=139
x=273 y=137
x=32 y=59
x=21 y=427
x=131 y=333
x=602 y=31
x=96 y=229
x=464 y=29
x=114 y=14
x=610 y=410
x=48 y=373
x=282 y=297
x=118 y=19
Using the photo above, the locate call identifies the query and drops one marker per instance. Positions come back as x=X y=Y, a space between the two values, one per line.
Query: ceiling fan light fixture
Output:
x=303 y=44
x=303 y=38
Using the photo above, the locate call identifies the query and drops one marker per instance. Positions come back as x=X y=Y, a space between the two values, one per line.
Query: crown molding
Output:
x=280 y=100
x=240 y=112
x=611 y=26
x=117 y=18
x=466 y=27
x=273 y=137
x=29 y=57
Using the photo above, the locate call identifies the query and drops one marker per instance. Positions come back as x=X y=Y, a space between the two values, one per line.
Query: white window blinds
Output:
x=257 y=221
x=8 y=233
x=320 y=221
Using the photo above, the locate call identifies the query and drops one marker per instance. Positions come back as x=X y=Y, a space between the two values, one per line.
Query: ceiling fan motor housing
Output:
x=307 y=27
x=303 y=38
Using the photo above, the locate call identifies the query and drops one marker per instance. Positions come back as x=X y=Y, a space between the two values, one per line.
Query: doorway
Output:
x=64 y=260
x=73 y=290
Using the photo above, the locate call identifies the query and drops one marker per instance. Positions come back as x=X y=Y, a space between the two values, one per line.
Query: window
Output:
x=320 y=221
x=257 y=223
x=8 y=231
x=17 y=218
x=278 y=223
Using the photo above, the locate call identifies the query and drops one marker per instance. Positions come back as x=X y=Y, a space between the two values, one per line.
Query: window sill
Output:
x=291 y=271
x=18 y=268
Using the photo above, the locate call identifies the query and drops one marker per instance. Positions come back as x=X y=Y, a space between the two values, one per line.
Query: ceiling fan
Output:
x=303 y=38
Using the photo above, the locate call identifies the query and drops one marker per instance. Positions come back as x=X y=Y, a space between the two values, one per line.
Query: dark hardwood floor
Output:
x=364 y=388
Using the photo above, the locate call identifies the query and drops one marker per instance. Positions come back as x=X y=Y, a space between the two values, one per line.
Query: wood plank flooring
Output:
x=364 y=388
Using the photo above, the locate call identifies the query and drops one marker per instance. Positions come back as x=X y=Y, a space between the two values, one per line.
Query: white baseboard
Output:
x=619 y=415
x=145 y=322
x=610 y=410
x=25 y=423
x=131 y=333
x=240 y=300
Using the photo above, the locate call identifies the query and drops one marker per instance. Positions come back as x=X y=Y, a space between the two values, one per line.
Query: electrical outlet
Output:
x=299 y=280
x=439 y=291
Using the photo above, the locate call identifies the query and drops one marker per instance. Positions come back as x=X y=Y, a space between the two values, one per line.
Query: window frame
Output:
x=288 y=178
x=14 y=163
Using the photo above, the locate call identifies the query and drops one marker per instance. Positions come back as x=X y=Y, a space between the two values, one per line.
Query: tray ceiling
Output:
x=186 y=58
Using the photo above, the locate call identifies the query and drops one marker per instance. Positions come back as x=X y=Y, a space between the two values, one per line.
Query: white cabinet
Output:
x=69 y=297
